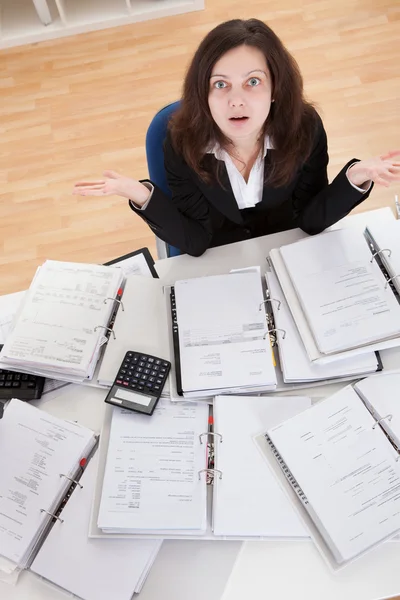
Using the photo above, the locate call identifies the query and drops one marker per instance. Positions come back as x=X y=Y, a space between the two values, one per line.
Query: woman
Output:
x=245 y=154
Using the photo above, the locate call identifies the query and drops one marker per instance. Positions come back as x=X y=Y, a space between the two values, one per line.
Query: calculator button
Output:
x=134 y=380
x=139 y=370
x=133 y=386
x=2 y=376
x=125 y=383
x=9 y=377
x=156 y=368
x=140 y=387
x=130 y=373
x=123 y=371
x=159 y=381
x=134 y=360
x=16 y=384
x=31 y=384
x=149 y=385
x=142 y=363
x=127 y=379
x=2 y=383
x=129 y=354
x=147 y=371
x=17 y=376
x=119 y=381
x=125 y=365
x=24 y=377
x=152 y=379
x=165 y=364
x=153 y=373
x=144 y=377
x=7 y=384
x=157 y=387
x=163 y=371
x=150 y=360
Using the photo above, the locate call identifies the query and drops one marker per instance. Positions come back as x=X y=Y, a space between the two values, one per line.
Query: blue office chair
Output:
x=155 y=137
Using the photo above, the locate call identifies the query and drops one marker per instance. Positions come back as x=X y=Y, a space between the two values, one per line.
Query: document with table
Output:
x=339 y=462
x=45 y=501
x=153 y=473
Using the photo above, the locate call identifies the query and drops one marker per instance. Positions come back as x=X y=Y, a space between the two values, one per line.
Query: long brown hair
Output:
x=290 y=123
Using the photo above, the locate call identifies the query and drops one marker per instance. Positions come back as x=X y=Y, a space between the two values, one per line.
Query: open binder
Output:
x=68 y=316
x=343 y=301
x=339 y=464
x=46 y=492
x=195 y=480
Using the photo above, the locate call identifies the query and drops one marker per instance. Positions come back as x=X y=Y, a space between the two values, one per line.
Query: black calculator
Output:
x=20 y=385
x=139 y=382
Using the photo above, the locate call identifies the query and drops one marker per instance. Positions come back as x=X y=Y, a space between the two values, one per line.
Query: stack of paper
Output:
x=224 y=345
x=152 y=481
x=39 y=455
x=337 y=295
x=386 y=241
x=295 y=364
x=63 y=320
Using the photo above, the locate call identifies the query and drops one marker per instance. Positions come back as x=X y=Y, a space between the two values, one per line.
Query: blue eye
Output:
x=254 y=81
x=220 y=85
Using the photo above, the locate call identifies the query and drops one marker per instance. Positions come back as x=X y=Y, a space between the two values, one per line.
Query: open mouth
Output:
x=238 y=119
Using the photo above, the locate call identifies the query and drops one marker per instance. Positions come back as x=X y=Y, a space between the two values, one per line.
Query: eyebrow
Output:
x=246 y=75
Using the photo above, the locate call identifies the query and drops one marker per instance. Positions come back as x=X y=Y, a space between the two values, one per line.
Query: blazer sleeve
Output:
x=317 y=204
x=182 y=220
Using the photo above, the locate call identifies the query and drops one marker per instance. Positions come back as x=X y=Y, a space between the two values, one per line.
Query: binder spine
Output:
x=175 y=339
x=213 y=471
x=376 y=255
x=287 y=472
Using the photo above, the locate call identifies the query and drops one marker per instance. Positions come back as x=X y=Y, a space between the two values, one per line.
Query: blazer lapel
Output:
x=222 y=198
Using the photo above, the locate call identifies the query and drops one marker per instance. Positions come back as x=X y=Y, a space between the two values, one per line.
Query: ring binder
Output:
x=391 y=279
x=108 y=329
x=379 y=252
x=271 y=300
x=275 y=329
x=388 y=417
x=210 y=471
x=72 y=480
x=52 y=515
x=115 y=300
x=210 y=433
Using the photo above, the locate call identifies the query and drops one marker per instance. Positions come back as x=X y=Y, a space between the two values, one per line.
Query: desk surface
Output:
x=199 y=570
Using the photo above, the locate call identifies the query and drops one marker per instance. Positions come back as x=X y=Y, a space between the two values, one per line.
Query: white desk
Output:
x=194 y=569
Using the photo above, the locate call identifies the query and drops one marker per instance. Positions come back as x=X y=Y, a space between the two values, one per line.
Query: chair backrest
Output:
x=155 y=137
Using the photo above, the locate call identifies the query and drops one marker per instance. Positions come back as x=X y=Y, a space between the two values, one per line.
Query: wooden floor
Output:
x=71 y=108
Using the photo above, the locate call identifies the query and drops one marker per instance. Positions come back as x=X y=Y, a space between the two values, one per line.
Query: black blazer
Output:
x=200 y=216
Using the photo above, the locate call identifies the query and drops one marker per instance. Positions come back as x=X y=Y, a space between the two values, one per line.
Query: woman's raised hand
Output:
x=114 y=184
x=382 y=170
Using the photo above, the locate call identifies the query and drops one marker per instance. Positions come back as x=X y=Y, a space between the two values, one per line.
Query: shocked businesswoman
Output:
x=245 y=154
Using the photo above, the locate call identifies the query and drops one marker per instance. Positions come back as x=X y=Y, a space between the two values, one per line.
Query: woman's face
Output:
x=240 y=93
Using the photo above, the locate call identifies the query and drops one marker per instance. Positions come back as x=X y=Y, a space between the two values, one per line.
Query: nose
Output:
x=236 y=99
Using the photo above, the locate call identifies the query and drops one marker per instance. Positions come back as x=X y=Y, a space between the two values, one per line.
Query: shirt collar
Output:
x=220 y=153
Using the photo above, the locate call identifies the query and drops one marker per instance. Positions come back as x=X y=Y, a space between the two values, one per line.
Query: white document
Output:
x=381 y=396
x=342 y=292
x=141 y=327
x=223 y=336
x=296 y=366
x=248 y=501
x=60 y=326
x=152 y=482
x=35 y=449
x=345 y=473
x=9 y=305
x=92 y=569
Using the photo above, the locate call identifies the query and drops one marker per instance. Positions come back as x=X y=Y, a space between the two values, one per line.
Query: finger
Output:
x=111 y=174
x=89 y=183
x=88 y=192
x=91 y=188
x=389 y=154
x=378 y=180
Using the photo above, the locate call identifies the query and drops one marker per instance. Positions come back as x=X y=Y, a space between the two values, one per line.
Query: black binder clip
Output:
x=52 y=515
x=72 y=480
x=213 y=471
x=107 y=328
x=207 y=433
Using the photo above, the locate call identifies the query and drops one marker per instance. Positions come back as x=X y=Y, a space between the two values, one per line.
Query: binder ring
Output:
x=115 y=300
x=210 y=433
x=107 y=328
x=275 y=329
x=73 y=480
x=388 y=417
x=391 y=279
x=271 y=300
x=210 y=471
x=379 y=251
x=51 y=515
